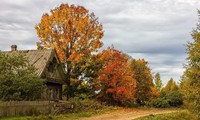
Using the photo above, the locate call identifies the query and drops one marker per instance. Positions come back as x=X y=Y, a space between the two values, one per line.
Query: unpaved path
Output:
x=128 y=114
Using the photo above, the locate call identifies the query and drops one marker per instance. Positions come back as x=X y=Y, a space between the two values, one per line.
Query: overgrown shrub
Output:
x=159 y=103
x=175 y=99
x=87 y=105
x=18 y=80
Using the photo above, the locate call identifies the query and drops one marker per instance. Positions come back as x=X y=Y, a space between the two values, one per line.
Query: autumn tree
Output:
x=170 y=87
x=73 y=32
x=116 y=83
x=144 y=81
x=172 y=94
x=188 y=91
x=158 y=82
x=191 y=77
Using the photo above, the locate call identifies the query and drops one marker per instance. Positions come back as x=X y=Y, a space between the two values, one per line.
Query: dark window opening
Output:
x=54 y=60
x=50 y=69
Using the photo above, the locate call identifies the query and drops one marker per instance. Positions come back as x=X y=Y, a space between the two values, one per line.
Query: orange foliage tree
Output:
x=116 y=82
x=145 y=89
x=72 y=31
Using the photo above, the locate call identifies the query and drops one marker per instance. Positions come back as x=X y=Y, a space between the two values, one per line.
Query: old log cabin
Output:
x=47 y=67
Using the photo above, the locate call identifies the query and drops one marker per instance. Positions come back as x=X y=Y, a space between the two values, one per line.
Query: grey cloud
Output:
x=167 y=65
x=160 y=49
x=156 y=30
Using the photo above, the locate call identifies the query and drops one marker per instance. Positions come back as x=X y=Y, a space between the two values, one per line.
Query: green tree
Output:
x=191 y=76
x=170 y=96
x=144 y=80
x=158 y=82
x=18 y=80
x=88 y=68
x=171 y=93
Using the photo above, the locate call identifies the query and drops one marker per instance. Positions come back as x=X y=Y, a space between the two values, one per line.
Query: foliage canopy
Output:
x=191 y=79
x=145 y=89
x=73 y=32
x=116 y=81
x=158 y=82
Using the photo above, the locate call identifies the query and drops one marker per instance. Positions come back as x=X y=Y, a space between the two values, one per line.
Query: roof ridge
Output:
x=27 y=50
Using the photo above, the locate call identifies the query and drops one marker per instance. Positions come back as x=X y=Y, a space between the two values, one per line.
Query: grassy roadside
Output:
x=89 y=113
x=182 y=115
x=71 y=116
x=68 y=116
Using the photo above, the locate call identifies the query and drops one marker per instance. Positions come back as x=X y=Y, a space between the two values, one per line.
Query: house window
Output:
x=50 y=94
x=57 y=94
x=54 y=60
x=50 y=69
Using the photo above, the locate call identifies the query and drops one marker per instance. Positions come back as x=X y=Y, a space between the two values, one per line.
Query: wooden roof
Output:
x=37 y=58
x=40 y=59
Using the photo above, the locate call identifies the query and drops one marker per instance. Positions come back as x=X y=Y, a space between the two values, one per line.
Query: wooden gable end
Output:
x=53 y=71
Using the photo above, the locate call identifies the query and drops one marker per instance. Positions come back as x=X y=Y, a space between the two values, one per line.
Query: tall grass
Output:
x=182 y=115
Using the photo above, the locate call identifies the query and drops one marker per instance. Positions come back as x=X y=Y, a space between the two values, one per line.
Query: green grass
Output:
x=68 y=116
x=84 y=108
x=182 y=115
x=51 y=117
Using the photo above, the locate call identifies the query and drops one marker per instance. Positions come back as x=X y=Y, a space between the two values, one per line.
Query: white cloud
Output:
x=156 y=30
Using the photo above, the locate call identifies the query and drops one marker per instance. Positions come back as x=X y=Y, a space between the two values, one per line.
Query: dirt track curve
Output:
x=128 y=114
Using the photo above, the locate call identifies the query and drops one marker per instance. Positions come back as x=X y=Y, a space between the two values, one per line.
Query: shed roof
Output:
x=37 y=58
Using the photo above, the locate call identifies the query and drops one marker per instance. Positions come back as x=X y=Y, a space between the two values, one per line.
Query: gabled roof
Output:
x=41 y=60
x=37 y=58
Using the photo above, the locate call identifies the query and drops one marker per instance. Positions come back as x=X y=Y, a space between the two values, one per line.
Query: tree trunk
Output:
x=68 y=81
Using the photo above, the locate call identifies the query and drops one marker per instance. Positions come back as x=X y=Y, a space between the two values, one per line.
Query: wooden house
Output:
x=47 y=67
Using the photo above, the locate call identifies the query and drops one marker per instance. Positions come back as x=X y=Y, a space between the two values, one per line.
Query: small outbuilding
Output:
x=47 y=67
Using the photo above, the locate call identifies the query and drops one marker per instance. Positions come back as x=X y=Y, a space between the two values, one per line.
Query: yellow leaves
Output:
x=69 y=28
x=52 y=45
x=61 y=54
x=170 y=87
x=75 y=57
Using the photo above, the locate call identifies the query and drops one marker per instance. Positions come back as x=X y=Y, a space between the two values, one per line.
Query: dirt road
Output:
x=128 y=114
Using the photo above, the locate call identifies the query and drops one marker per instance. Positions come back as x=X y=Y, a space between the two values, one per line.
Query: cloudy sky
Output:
x=156 y=30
